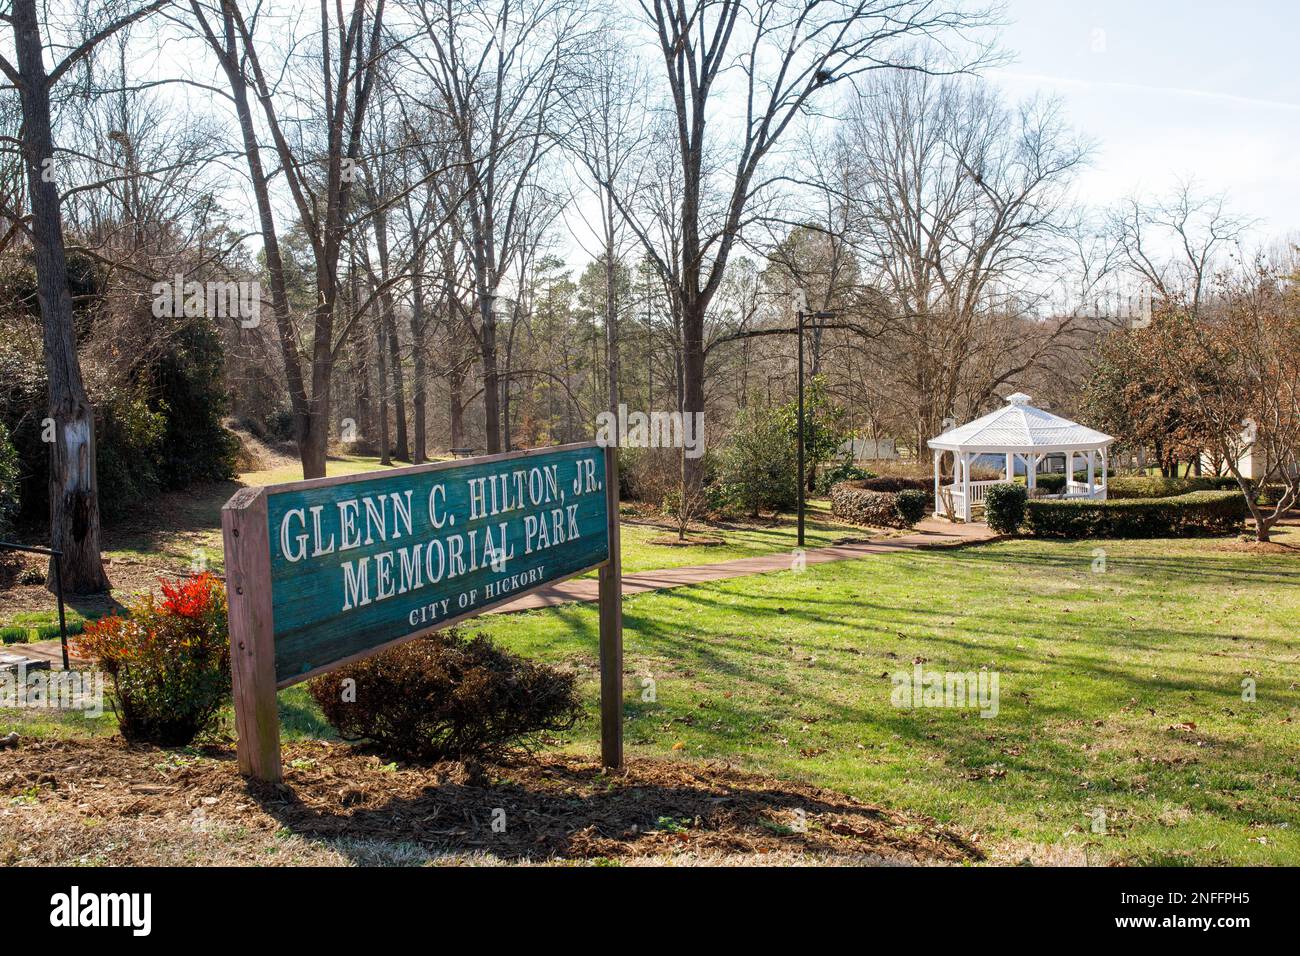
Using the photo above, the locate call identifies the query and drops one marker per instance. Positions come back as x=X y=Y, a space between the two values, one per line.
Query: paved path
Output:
x=930 y=533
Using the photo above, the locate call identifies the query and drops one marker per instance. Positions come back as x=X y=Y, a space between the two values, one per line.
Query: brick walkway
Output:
x=930 y=533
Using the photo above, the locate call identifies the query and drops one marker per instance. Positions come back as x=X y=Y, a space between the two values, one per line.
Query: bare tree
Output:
x=962 y=203
x=1246 y=395
x=348 y=49
x=74 y=497
x=499 y=69
x=768 y=61
x=608 y=127
x=1175 y=242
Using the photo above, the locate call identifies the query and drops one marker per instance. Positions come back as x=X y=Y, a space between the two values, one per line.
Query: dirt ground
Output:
x=103 y=802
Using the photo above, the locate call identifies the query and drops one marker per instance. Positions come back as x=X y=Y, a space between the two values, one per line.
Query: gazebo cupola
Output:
x=1017 y=431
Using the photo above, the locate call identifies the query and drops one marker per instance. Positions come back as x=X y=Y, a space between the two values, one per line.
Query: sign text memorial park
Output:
x=332 y=570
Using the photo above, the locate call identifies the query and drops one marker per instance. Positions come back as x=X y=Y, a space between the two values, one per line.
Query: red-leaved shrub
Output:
x=169 y=661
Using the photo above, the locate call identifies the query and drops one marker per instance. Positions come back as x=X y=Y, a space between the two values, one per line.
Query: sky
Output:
x=1168 y=90
x=1172 y=90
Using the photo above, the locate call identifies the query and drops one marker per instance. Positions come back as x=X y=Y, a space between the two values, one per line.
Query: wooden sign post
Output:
x=327 y=571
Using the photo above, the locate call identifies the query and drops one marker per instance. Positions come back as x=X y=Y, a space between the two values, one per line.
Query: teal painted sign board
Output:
x=331 y=570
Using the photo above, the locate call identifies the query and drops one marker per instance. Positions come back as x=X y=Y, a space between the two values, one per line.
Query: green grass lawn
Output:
x=1120 y=691
x=742 y=540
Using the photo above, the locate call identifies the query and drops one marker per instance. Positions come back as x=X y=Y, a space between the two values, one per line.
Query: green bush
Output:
x=445 y=697
x=10 y=501
x=169 y=662
x=1053 y=482
x=188 y=377
x=23 y=398
x=1050 y=483
x=1004 y=507
x=756 y=468
x=157 y=420
x=1198 y=512
x=894 y=484
x=1153 y=486
x=844 y=471
x=910 y=505
x=824 y=430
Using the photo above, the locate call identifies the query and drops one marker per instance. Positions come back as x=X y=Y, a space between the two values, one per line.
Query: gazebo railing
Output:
x=977 y=491
x=1081 y=489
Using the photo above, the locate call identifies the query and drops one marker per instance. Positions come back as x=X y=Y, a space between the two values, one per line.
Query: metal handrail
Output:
x=58 y=586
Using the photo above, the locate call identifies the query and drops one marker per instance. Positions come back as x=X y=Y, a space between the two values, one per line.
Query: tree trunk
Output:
x=491 y=380
x=420 y=452
x=611 y=328
x=311 y=456
x=402 y=449
x=314 y=447
x=455 y=387
x=360 y=362
x=693 y=389
x=74 y=492
x=384 y=452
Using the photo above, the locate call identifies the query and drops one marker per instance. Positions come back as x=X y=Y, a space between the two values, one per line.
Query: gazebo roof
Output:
x=1019 y=427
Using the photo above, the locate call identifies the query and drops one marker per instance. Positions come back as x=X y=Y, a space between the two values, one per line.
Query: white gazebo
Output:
x=1016 y=431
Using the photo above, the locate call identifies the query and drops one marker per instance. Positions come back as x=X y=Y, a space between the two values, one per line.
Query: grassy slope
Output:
x=789 y=674
x=739 y=541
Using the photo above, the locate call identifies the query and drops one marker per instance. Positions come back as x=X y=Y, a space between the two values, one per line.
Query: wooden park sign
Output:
x=331 y=570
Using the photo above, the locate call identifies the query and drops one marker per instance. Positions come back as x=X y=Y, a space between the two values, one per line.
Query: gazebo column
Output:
x=965 y=486
x=1092 y=457
x=1105 y=474
x=1031 y=473
x=1069 y=470
x=938 y=500
x=1011 y=466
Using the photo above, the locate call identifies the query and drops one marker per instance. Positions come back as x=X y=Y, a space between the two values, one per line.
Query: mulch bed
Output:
x=556 y=806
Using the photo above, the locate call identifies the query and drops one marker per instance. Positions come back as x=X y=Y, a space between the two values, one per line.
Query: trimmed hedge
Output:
x=1148 y=486
x=1053 y=482
x=852 y=502
x=1048 y=483
x=1197 y=512
x=1004 y=507
x=893 y=483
